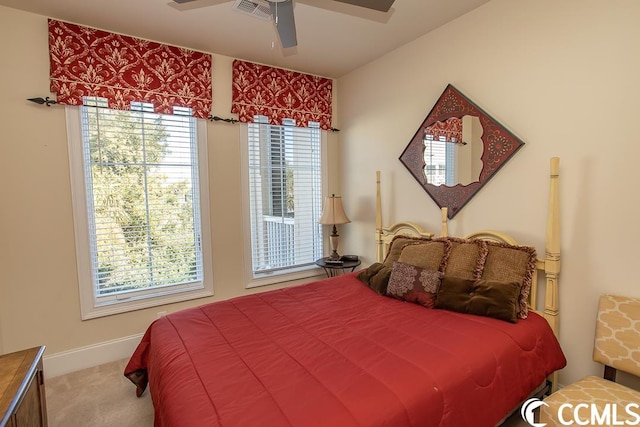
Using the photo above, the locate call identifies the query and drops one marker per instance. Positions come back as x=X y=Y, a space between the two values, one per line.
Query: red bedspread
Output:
x=334 y=353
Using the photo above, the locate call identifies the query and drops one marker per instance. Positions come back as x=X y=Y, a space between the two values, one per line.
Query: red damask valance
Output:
x=280 y=94
x=450 y=129
x=89 y=62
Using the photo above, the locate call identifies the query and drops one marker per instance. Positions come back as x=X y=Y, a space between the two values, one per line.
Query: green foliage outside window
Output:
x=142 y=199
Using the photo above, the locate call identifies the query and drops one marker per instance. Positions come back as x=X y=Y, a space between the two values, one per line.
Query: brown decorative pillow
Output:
x=467 y=258
x=376 y=276
x=481 y=297
x=509 y=263
x=396 y=246
x=431 y=254
x=414 y=284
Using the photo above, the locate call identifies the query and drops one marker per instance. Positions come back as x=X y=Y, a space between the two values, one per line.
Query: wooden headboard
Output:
x=549 y=265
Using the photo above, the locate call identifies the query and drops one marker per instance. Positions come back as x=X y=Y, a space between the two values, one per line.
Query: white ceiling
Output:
x=333 y=38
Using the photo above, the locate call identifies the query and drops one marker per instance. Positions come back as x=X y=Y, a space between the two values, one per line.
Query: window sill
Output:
x=289 y=275
x=119 y=306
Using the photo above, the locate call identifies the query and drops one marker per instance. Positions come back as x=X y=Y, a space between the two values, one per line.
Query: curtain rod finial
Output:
x=41 y=101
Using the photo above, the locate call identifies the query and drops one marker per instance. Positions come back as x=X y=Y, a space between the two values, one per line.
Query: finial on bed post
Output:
x=444 y=229
x=379 y=249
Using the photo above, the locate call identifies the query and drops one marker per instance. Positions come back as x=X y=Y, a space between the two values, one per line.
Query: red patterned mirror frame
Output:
x=499 y=145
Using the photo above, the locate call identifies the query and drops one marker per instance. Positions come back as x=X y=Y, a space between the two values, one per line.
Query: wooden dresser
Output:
x=22 y=397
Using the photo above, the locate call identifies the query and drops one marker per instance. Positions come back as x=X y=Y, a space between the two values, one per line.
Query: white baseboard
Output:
x=92 y=355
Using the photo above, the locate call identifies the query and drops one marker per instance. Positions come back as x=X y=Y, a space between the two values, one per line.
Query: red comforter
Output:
x=334 y=353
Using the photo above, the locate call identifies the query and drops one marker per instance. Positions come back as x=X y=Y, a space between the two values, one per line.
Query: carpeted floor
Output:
x=103 y=397
x=97 y=397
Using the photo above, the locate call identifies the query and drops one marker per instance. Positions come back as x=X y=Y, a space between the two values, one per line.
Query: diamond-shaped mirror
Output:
x=457 y=149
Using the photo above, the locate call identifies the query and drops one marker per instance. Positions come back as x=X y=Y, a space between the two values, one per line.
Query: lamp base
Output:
x=334 y=239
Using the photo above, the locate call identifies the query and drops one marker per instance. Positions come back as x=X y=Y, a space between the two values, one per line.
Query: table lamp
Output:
x=333 y=214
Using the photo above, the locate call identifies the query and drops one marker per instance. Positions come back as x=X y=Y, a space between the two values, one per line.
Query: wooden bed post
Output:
x=552 y=258
x=552 y=250
x=444 y=227
x=379 y=248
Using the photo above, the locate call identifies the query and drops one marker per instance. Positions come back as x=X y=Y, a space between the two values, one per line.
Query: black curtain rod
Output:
x=49 y=102
x=220 y=119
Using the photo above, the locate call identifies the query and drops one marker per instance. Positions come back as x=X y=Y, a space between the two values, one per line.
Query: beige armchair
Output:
x=602 y=401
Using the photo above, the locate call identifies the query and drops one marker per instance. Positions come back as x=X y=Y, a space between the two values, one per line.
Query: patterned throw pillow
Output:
x=414 y=284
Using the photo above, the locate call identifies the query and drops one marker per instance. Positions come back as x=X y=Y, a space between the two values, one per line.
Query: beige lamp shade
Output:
x=333 y=212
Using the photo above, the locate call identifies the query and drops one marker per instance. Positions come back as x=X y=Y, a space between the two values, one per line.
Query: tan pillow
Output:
x=466 y=259
x=481 y=297
x=509 y=263
x=396 y=246
x=429 y=254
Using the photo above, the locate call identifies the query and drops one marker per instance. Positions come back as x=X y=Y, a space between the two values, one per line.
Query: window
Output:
x=140 y=207
x=439 y=160
x=283 y=200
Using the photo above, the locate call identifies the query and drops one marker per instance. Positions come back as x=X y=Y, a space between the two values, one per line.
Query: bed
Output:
x=338 y=352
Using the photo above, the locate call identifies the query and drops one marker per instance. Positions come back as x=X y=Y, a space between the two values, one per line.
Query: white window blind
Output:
x=285 y=195
x=439 y=160
x=142 y=201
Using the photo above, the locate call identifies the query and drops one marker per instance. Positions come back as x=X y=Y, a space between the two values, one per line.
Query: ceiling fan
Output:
x=282 y=13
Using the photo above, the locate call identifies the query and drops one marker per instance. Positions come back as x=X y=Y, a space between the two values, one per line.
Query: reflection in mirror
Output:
x=457 y=149
x=453 y=151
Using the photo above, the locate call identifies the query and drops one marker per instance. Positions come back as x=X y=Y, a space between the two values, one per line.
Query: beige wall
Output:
x=39 y=289
x=564 y=77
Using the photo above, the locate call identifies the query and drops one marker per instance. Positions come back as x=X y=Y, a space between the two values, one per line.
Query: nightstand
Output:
x=22 y=396
x=335 y=269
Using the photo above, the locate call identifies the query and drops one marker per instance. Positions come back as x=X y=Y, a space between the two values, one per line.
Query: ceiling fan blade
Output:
x=380 y=5
x=282 y=12
x=182 y=1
